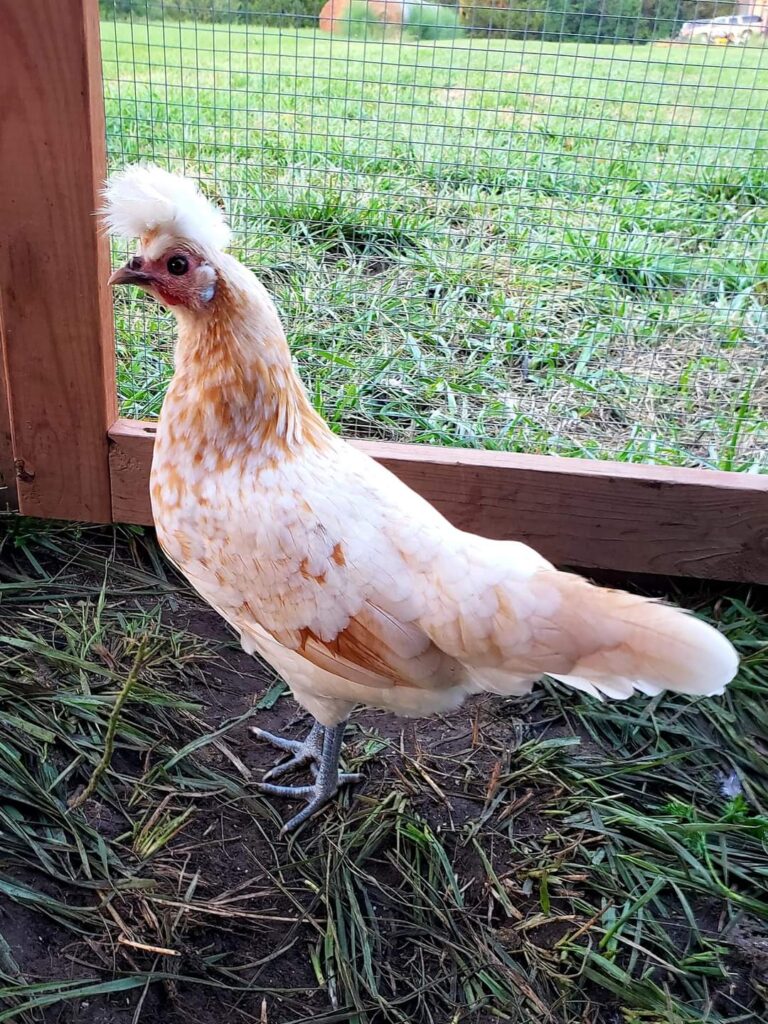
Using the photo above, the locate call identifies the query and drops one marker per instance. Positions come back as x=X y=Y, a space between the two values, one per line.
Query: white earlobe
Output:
x=208 y=290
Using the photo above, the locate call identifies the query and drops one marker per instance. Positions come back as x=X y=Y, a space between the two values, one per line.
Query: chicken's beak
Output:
x=129 y=275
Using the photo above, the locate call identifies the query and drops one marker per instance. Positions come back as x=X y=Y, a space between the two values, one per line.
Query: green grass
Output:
x=518 y=246
x=547 y=858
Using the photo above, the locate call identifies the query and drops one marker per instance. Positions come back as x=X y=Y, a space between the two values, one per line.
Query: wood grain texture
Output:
x=54 y=261
x=8 y=496
x=593 y=515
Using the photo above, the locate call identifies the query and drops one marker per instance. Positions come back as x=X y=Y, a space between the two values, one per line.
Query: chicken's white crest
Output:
x=145 y=199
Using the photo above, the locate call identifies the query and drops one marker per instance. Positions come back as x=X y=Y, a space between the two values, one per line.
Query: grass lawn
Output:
x=521 y=246
x=547 y=859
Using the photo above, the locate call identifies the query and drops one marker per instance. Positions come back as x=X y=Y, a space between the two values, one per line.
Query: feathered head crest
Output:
x=143 y=201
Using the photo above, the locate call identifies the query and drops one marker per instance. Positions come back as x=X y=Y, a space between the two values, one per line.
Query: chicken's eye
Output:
x=178 y=265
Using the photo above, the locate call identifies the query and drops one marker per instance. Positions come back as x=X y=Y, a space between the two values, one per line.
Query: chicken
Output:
x=354 y=588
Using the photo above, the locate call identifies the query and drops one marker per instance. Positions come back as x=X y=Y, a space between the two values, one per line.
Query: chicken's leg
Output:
x=307 y=751
x=327 y=780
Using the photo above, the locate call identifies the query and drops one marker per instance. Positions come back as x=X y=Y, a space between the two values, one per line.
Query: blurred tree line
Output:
x=588 y=20
x=277 y=12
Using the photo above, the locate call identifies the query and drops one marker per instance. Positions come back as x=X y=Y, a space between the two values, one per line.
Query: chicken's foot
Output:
x=307 y=751
x=326 y=783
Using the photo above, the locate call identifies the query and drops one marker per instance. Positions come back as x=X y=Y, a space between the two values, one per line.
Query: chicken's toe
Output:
x=304 y=751
x=328 y=778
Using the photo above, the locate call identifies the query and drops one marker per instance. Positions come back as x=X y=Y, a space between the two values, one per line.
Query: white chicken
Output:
x=355 y=589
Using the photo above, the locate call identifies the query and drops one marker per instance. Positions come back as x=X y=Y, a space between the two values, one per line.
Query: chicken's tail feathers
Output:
x=642 y=645
x=143 y=201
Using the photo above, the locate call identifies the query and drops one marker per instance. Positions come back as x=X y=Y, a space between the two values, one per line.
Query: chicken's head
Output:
x=177 y=276
x=182 y=236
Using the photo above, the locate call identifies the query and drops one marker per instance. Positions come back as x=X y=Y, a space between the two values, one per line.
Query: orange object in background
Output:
x=333 y=11
x=388 y=12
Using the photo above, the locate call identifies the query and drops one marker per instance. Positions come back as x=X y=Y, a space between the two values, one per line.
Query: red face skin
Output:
x=177 y=278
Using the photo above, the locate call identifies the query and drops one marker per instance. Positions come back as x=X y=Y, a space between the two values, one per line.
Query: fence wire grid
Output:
x=523 y=239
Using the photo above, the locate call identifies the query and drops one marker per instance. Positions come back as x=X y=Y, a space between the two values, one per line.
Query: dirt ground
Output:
x=230 y=850
x=465 y=862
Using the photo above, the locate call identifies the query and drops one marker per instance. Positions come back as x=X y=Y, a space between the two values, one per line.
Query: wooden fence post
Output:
x=8 y=496
x=54 y=261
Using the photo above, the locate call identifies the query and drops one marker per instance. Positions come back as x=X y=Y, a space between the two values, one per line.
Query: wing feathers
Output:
x=375 y=650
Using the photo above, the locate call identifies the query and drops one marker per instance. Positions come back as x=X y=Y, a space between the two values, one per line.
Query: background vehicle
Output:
x=736 y=28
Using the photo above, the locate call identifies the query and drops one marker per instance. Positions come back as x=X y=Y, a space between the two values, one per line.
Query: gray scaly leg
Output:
x=306 y=751
x=326 y=783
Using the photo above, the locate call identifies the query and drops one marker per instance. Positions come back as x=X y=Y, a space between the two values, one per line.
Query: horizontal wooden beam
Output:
x=594 y=515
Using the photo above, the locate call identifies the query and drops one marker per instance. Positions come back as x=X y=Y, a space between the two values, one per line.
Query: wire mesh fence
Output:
x=533 y=228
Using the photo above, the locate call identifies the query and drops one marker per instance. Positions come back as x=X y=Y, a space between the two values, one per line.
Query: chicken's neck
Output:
x=235 y=393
